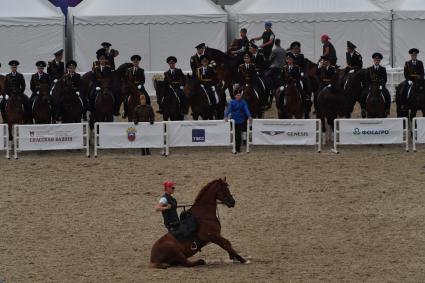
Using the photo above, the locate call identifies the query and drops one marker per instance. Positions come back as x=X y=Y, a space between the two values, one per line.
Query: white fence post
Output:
x=4 y=141
x=418 y=130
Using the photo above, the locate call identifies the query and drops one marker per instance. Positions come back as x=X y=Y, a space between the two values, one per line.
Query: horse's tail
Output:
x=158 y=265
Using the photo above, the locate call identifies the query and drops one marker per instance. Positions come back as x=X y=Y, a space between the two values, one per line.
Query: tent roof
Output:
x=306 y=10
x=409 y=9
x=107 y=12
x=29 y=13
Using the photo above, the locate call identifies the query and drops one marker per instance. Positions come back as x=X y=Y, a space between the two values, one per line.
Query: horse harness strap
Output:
x=206 y=94
x=175 y=94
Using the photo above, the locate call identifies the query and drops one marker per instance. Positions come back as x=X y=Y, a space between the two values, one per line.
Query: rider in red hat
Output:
x=328 y=49
x=168 y=206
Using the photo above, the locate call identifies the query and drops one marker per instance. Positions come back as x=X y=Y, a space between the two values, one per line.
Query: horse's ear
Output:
x=224 y=179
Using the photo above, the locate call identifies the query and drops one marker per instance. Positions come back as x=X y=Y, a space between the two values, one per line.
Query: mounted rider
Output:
x=176 y=80
x=353 y=58
x=39 y=80
x=293 y=73
x=207 y=78
x=247 y=74
x=260 y=63
x=329 y=49
x=195 y=60
x=136 y=76
x=299 y=57
x=376 y=74
x=71 y=81
x=413 y=71
x=326 y=73
x=110 y=54
x=56 y=68
x=15 y=85
x=268 y=38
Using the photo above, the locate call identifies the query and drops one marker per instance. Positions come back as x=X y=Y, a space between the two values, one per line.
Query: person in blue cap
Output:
x=268 y=38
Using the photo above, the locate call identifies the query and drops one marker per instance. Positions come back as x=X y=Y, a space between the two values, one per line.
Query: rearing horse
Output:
x=167 y=251
x=224 y=71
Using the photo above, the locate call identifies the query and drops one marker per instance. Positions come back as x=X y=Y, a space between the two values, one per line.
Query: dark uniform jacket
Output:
x=376 y=76
x=247 y=73
x=71 y=81
x=243 y=45
x=102 y=74
x=326 y=74
x=137 y=77
x=266 y=36
x=37 y=82
x=176 y=79
x=206 y=77
x=299 y=61
x=111 y=59
x=171 y=217
x=413 y=72
x=260 y=63
x=355 y=61
x=195 y=63
x=14 y=84
x=144 y=113
x=332 y=52
x=55 y=70
x=293 y=73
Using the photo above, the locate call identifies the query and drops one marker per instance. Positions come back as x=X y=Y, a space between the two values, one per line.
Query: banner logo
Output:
x=358 y=132
x=272 y=133
x=131 y=134
x=198 y=135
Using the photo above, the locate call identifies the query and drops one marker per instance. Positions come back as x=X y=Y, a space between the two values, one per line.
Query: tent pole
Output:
x=392 y=59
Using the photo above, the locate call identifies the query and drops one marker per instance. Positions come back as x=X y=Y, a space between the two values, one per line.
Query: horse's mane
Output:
x=204 y=189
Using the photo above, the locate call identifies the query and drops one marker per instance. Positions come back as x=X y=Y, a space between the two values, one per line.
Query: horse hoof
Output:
x=201 y=262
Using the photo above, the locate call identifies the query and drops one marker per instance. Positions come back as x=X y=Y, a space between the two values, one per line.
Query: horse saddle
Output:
x=187 y=229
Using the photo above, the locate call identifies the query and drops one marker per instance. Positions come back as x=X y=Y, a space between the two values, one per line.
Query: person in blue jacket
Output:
x=238 y=111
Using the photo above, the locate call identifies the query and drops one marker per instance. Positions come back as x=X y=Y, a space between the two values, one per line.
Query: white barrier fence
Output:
x=164 y=135
x=285 y=132
x=4 y=139
x=129 y=135
x=370 y=131
x=51 y=137
x=418 y=129
x=201 y=133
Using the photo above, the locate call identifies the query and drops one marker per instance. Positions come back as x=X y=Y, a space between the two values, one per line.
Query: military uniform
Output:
x=413 y=70
x=326 y=76
x=101 y=75
x=71 y=81
x=176 y=80
x=299 y=60
x=136 y=76
x=354 y=61
x=195 y=63
x=260 y=63
x=247 y=73
x=377 y=74
x=37 y=82
x=55 y=70
x=207 y=78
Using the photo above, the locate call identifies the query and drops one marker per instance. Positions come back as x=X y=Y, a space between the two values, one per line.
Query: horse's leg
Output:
x=182 y=260
x=227 y=246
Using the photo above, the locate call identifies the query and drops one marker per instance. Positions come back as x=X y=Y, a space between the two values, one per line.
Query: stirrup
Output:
x=194 y=246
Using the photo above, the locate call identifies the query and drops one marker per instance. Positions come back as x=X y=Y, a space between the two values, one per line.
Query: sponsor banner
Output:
x=371 y=131
x=420 y=130
x=284 y=132
x=3 y=136
x=198 y=133
x=51 y=137
x=129 y=135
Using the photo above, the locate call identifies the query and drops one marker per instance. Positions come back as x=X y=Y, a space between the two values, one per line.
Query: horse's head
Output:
x=223 y=193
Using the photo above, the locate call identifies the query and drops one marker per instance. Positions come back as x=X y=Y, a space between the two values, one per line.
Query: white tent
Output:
x=362 y=22
x=409 y=23
x=30 y=30
x=152 y=29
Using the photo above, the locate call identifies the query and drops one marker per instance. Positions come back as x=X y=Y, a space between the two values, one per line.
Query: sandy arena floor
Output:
x=300 y=216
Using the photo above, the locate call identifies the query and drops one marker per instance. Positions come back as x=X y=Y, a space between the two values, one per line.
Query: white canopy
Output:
x=361 y=21
x=30 y=30
x=409 y=22
x=152 y=29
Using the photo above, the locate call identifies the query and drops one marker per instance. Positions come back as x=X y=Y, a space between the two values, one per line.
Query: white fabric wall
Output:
x=29 y=44
x=128 y=39
x=408 y=33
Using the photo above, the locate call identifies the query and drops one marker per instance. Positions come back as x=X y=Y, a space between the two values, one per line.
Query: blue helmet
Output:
x=268 y=24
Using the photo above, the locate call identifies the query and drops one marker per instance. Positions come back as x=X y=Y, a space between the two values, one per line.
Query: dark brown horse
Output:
x=14 y=112
x=252 y=98
x=199 y=101
x=171 y=106
x=415 y=99
x=42 y=106
x=103 y=104
x=168 y=251
x=289 y=102
x=71 y=106
x=132 y=94
x=222 y=61
x=375 y=102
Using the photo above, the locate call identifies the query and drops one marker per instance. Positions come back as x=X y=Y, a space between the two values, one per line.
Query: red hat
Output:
x=325 y=37
x=168 y=184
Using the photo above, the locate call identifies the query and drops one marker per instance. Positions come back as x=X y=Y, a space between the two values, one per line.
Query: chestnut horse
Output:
x=132 y=94
x=103 y=104
x=289 y=102
x=14 y=112
x=42 y=106
x=252 y=99
x=168 y=251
